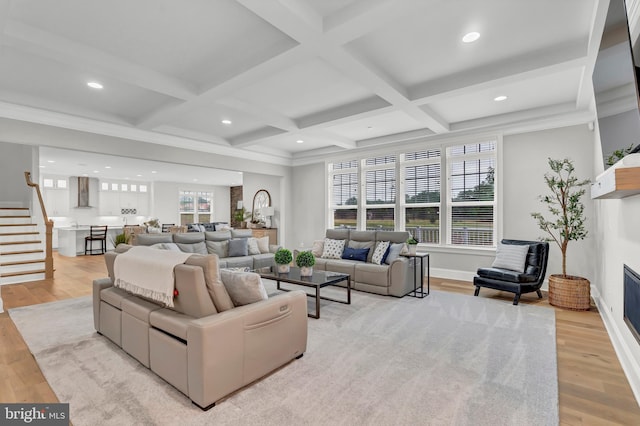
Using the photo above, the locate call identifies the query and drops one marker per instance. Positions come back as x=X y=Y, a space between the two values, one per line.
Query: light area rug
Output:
x=448 y=359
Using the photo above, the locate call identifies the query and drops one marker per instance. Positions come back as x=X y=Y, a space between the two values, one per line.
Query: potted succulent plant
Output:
x=565 y=291
x=283 y=258
x=412 y=243
x=305 y=262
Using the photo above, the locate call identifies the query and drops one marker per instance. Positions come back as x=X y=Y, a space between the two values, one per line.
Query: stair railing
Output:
x=48 y=223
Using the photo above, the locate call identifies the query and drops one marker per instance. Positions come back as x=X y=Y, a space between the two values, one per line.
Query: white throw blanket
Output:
x=148 y=272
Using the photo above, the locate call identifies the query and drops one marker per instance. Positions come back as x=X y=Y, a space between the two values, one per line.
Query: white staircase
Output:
x=22 y=247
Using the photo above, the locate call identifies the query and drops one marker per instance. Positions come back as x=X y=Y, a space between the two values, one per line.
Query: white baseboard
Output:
x=451 y=274
x=629 y=363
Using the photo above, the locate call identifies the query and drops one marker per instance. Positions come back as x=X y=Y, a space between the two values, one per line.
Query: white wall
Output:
x=166 y=197
x=524 y=164
x=15 y=160
x=252 y=183
x=617 y=237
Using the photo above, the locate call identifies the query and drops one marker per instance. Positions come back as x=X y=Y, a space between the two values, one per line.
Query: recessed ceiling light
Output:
x=126 y=178
x=195 y=180
x=227 y=122
x=500 y=98
x=153 y=171
x=85 y=174
x=471 y=37
x=42 y=167
x=95 y=85
x=299 y=141
x=139 y=175
x=107 y=167
x=50 y=161
x=95 y=171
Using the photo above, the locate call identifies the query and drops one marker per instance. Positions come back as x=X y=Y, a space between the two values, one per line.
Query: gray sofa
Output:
x=214 y=242
x=203 y=348
x=394 y=279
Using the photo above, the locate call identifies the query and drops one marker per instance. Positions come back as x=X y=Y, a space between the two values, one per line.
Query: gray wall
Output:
x=15 y=160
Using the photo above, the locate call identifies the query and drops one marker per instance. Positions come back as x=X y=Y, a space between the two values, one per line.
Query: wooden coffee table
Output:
x=318 y=280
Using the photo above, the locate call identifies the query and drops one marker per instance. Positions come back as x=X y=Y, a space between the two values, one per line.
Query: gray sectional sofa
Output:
x=204 y=346
x=394 y=279
x=214 y=242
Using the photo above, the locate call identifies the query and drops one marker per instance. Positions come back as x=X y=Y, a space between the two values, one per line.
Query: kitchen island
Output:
x=71 y=239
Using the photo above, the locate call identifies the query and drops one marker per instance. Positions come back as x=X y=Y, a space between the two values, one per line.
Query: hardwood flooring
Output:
x=593 y=389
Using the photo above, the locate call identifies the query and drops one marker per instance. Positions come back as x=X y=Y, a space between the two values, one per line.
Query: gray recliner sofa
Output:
x=394 y=279
x=203 y=352
x=213 y=242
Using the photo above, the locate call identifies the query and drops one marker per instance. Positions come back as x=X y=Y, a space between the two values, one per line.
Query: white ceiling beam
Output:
x=364 y=16
x=261 y=112
x=255 y=136
x=191 y=134
x=243 y=79
x=343 y=112
x=334 y=139
x=78 y=55
x=585 y=89
x=512 y=70
x=397 y=137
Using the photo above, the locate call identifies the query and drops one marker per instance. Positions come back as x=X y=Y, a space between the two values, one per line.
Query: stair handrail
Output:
x=48 y=223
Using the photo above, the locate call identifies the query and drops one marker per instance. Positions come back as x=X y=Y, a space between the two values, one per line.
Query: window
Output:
x=195 y=207
x=124 y=187
x=380 y=190
x=471 y=200
x=344 y=194
x=142 y=188
x=61 y=183
x=47 y=183
x=134 y=187
x=442 y=194
x=104 y=186
x=421 y=172
x=54 y=183
x=114 y=186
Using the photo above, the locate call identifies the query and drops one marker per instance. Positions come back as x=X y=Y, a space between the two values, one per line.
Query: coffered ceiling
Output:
x=335 y=74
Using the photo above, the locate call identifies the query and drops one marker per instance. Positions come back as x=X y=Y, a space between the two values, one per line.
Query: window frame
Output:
x=445 y=205
x=196 y=211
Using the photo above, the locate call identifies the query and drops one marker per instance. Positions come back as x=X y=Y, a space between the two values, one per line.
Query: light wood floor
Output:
x=592 y=386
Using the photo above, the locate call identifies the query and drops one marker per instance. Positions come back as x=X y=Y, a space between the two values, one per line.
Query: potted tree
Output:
x=566 y=224
x=305 y=262
x=283 y=258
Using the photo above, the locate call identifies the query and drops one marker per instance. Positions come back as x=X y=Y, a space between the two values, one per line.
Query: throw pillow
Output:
x=363 y=244
x=215 y=287
x=238 y=247
x=221 y=248
x=394 y=252
x=359 y=254
x=317 y=248
x=252 y=246
x=382 y=249
x=199 y=248
x=512 y=257
x=243 y=287
x=333 y=248
x=263 y=244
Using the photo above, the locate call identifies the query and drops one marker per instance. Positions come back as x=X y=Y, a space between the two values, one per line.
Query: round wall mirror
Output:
x=260 y=200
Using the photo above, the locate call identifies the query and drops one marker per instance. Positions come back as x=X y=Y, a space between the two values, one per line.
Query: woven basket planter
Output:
x=569 y=292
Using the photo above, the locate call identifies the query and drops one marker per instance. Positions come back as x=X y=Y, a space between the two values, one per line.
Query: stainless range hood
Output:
x=83 y=193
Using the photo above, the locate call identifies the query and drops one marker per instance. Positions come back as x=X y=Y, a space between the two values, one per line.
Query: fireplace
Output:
x=632 y=301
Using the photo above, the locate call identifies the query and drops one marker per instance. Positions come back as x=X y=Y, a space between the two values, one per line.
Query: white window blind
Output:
x=421 y=171
x=344 y=193
x=471 y=198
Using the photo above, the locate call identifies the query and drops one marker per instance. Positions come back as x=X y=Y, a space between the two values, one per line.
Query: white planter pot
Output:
x=413 y=248
x=306 y=271
x=283 y=269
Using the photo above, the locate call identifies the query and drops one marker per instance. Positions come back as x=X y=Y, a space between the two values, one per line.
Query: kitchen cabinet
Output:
x=56 y=201
x=109 y=203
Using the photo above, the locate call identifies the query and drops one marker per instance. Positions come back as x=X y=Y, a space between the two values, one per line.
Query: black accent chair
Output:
x=96 y=233
x=515 y=282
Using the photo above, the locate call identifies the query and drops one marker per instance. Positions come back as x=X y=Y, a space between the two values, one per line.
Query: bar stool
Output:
x=96 y=233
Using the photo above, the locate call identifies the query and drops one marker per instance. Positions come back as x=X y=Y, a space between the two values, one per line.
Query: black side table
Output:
x=415 y=257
